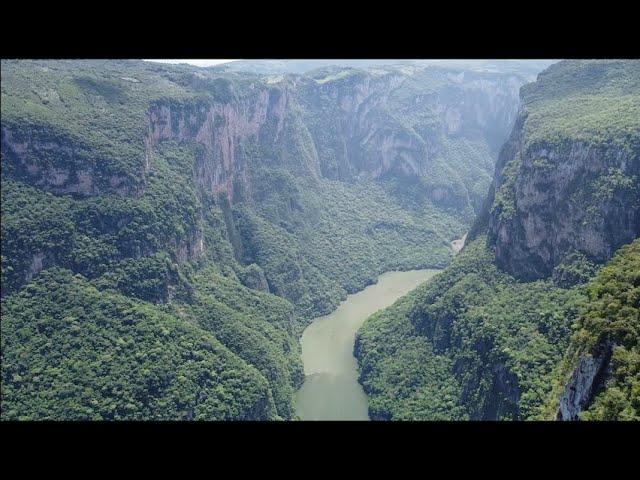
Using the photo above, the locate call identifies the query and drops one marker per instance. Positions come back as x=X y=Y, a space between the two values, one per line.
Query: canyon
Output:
x=170 y=233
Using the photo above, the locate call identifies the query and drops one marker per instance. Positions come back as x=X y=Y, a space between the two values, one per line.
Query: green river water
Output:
x=331 y=390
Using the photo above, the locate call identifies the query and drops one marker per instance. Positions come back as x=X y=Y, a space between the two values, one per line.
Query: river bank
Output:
x=331 y=390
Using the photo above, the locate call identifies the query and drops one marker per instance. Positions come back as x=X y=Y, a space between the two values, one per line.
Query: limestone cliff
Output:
x=225 y=130
x=585 y=381
x=58 y=164
x=342 y=124
x=487 y=337
x=413 y=125
x=425 y=135
x=573 y=187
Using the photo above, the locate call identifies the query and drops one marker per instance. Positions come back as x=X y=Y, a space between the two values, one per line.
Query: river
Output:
x=331 y=390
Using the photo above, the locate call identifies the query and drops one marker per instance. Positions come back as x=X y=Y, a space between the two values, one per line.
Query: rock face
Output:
x=340 y=125
x=426 y=134
x=189 y=248
x=37 y=263
x=583 y=384
x=410 y=125
x=63 y=170
x=552 y=196
x=224 y=130
x=556 y=210
x=348 y=135
x=494 y=385
x=253 y=277
x=474 y=105
x=502 y=401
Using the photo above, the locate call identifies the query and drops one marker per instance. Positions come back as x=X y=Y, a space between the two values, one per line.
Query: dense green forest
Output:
x=526 y=316
x=70 y=351
x=610 y=317
x=199 y=219
x=476 y=343
x=470 y=343
x=168 y=231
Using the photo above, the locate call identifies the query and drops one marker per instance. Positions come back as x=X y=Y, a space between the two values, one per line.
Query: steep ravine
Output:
x=176 y=228
x=537 y=316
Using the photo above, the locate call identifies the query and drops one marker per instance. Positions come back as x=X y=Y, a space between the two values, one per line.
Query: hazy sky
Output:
x=197 y=62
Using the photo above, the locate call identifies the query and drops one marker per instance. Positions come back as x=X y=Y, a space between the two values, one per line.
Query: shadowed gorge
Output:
x=169 y=232
x=520 y=326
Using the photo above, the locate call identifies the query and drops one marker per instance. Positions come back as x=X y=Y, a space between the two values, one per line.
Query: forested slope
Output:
x=221 y=210
x=492 y=337
x=600 y=377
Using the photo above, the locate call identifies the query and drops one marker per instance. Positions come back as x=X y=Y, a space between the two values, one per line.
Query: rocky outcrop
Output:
x=568 y=179
x=230 y=132
x=586 y=379
x=189 y=248
x=253 y=277
x=458 y=244
x=58 y=165
x=37 y=264
x=504 y=395
x=555 y=198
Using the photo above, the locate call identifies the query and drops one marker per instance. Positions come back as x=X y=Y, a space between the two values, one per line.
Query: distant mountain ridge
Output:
x=530 y=68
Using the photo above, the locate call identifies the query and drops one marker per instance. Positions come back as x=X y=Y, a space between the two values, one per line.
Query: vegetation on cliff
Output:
x=568 y=177
x=496 y=341
x=610 y=318
x=565 y=198
x=199 y=219
x=593 y=101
